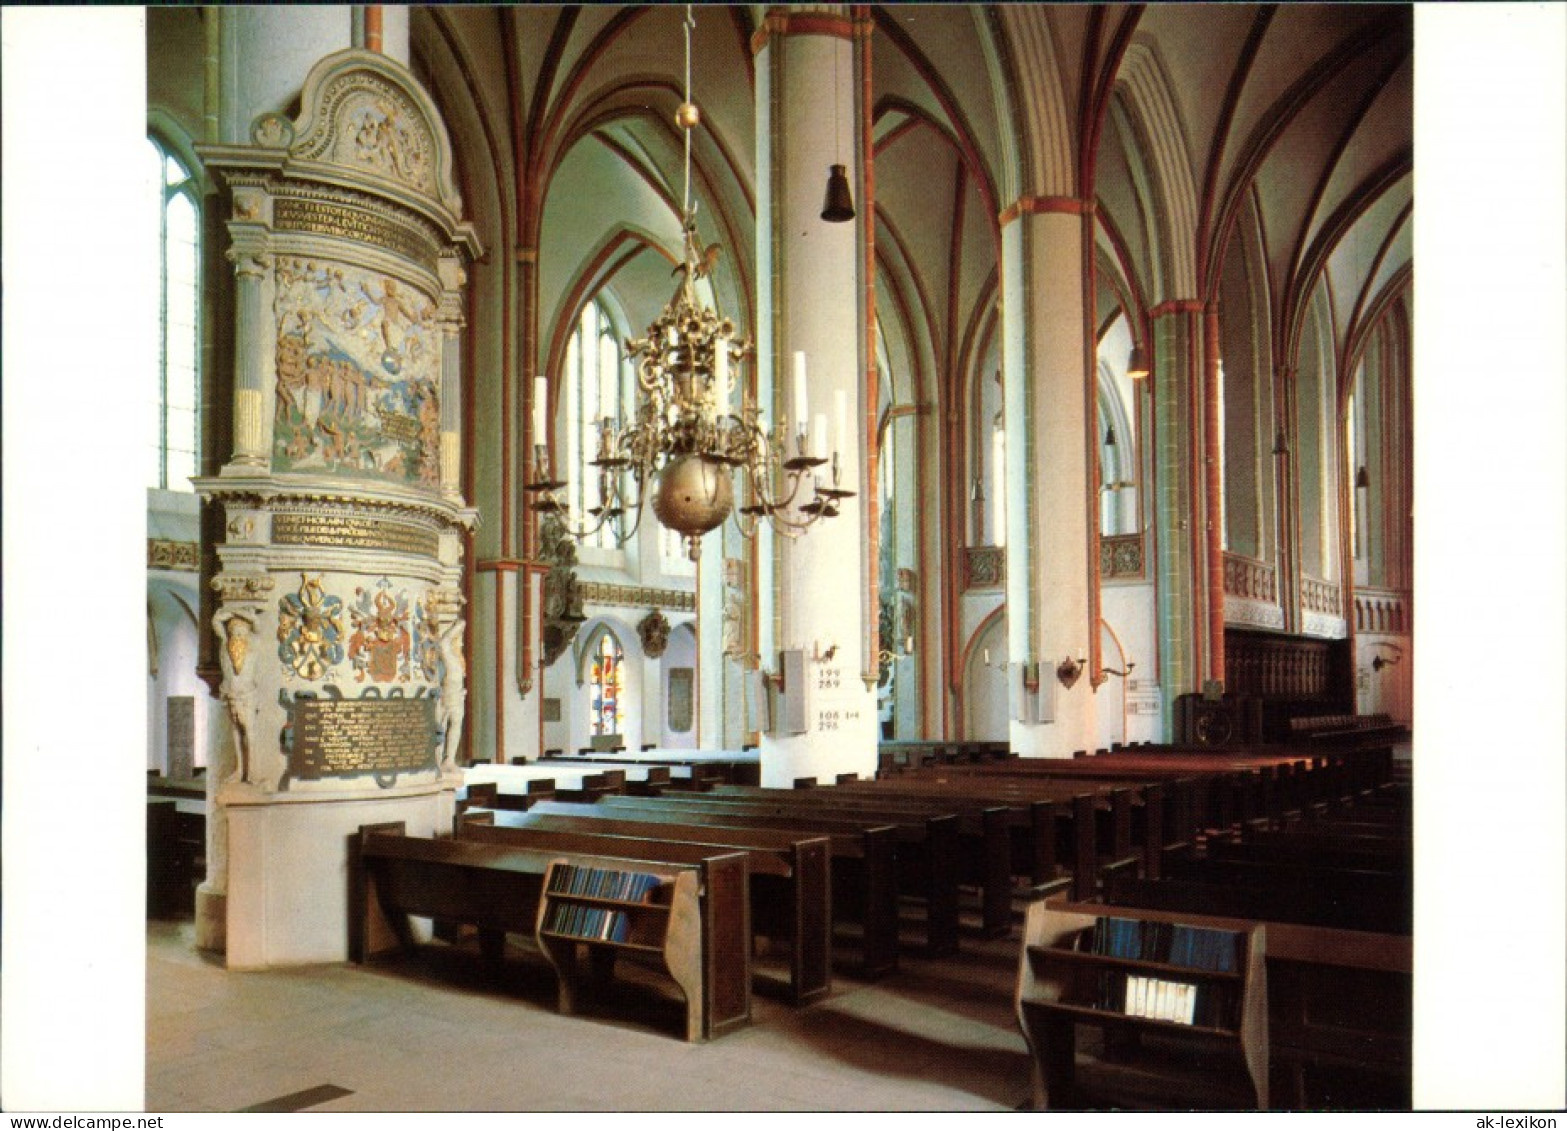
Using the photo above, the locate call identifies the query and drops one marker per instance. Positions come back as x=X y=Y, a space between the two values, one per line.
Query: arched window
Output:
x=176 y=447
x=606 y=685
x=596 y=377
x=988 y=493
x=1117 y=459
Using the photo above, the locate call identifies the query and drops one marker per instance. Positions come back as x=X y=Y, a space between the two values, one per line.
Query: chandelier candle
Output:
x=800 y=412
x=541 y=397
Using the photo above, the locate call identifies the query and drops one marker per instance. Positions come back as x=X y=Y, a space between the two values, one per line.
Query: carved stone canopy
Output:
x=361 y=110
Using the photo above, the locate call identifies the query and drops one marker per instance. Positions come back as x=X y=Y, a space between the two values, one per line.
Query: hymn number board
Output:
x=834 y=707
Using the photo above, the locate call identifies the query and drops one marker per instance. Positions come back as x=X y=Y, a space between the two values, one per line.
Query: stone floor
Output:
x=431 y=1035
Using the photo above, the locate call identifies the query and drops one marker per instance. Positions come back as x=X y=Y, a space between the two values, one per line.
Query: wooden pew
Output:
x=927 y=843
x=800 y=870
x=930 y=838
x=866 y=855
x=1315 y=851
x=498 y=889
x=1075 y=813
x=1217 y=796
x=1373 y=899
x=985 y=834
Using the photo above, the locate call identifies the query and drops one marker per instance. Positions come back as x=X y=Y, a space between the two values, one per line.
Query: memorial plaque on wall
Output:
x=681 y=682
x=349 y=737
x=181 y=736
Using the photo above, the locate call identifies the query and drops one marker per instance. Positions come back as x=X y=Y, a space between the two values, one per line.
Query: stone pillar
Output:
x=339 y=621
x=265 y=52
x=253 y=368
x=816 y=604
x=497 y=589
x=384 y=28
x=1180 y=509
x=453 y=278
x=1286 y=485
x=1213 y=493
x=1047 y=389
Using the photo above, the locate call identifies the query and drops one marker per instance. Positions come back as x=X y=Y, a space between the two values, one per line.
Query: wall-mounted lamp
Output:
x=1362 y=478
x=1110 y=436
x=1122 y=672
x=1069 y=670
x=820 y=657
x=1137 y=363
x=1379 y=662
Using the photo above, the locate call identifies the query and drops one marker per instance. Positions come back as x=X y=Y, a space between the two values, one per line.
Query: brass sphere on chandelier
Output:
x=694 y=495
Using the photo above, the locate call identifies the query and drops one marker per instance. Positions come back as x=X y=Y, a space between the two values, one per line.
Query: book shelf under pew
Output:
x=1178 y=1004
x=646 y=913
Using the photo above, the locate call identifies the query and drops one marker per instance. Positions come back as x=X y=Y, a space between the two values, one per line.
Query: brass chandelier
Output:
x=686 y=439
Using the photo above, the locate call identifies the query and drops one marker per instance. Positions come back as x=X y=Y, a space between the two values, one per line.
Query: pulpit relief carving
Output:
x=358 y=375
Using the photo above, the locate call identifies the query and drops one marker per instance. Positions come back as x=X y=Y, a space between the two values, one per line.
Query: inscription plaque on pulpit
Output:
x=349 y=737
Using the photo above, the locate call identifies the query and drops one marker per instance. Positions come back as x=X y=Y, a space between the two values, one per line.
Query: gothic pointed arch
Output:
x=1145 y=91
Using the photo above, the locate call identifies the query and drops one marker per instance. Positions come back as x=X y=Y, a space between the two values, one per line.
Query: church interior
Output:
x=789 y=557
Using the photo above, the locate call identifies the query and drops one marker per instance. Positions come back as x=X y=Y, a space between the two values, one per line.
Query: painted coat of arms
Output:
x=381 y=645
x=310 y=630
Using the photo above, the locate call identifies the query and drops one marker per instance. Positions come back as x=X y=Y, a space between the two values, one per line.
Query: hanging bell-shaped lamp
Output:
x=839 y=205
x=1137 y=364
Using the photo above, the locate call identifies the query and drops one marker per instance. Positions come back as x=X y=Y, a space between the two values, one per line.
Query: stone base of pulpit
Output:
x=211 y=919
x=287 y=901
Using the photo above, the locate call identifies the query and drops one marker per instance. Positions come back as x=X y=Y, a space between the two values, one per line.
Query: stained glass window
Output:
x=606 y=685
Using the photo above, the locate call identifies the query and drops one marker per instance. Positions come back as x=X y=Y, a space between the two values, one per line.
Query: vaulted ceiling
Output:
x=1185 y=123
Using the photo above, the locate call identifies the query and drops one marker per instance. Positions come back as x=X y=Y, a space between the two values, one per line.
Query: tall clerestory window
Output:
x=596 y=377
x=174 y=460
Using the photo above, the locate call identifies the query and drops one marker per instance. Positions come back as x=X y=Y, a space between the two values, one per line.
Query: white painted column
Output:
x=816 y=606
x=267 y=50
x=394 y=32
x=1046 y=379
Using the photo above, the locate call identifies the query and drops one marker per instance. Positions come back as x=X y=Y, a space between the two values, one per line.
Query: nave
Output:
x=937 y=1024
